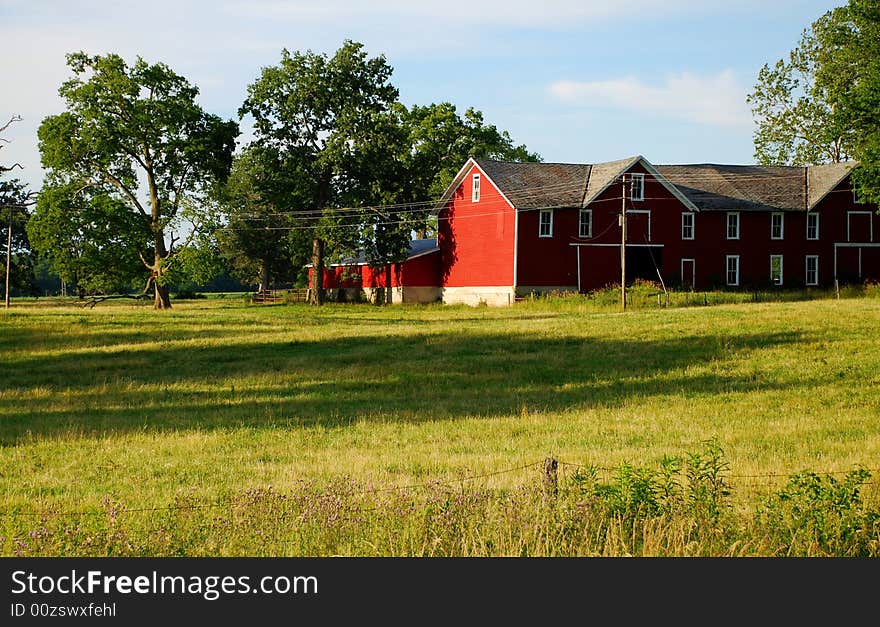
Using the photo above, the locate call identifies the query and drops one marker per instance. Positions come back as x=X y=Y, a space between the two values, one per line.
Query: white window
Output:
x=733 y=269
x=637 y=187
x=812 y=226
x=855 y=193
x=777 y=222
x=687 y=225
x=733 y=225
x=776 y=269
x=545 y=223
x=812 y=277
x=585 y=223
x=475 y=189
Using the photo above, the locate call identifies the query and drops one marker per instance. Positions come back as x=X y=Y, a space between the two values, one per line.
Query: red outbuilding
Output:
x=415 y=280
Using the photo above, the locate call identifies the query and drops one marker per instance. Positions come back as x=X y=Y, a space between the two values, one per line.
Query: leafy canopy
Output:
x=132 y=139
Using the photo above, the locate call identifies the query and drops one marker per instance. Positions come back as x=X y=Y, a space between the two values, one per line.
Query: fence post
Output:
x=550 y=479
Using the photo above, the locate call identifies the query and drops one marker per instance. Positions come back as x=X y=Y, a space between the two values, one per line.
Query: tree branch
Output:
x=149 y=266
x=14 y=118
x=91 y=301
x=119 y=184
x=179 y=189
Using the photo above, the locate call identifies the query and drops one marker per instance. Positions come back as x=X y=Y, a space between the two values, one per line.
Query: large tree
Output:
x=133 y=144
x=323 y=115
x=849 y=71
x=15 y=200
x=823 y=104
x=261 y=240
x=18 y=257
x=796 y=122
x=91 y=239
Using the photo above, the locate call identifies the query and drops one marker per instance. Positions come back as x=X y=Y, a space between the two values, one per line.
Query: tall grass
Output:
x=126 y=431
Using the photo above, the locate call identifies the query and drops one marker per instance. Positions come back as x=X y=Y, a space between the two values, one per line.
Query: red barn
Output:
x=508 y=229
x=415 y=280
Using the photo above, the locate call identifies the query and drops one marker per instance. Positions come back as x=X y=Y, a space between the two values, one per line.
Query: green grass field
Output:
x=130 y=431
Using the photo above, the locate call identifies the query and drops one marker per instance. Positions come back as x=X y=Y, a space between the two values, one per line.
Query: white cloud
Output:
x=717 y=99
x=520 y=13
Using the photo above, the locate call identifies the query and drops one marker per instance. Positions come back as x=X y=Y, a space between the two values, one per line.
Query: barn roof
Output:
x=715 y=187
x=539 y=185
x=700 y=187
x=417 y=248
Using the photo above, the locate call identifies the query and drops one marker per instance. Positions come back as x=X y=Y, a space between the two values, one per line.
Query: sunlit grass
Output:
x=217 y=397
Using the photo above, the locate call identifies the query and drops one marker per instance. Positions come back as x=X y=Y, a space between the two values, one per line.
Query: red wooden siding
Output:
x=476 y=239
x=421 y=271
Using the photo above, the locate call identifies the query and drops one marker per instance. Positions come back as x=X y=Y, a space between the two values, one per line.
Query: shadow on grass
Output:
x=333 y=383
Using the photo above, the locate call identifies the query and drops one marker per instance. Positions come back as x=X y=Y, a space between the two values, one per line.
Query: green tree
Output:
x=323 y=115
x=133 y=139
x=796 y=121
x=849 y=72
x=15 y=200
x=91 y=239
x=260 y=240
x=438 y=143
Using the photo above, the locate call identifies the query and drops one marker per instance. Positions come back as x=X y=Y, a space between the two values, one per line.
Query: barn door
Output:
x=858 y=226
x=638 y=226
x=688 y=273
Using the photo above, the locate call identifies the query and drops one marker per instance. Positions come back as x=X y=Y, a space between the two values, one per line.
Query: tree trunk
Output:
x=317 y=295
x=161 y=298
x=388 y=297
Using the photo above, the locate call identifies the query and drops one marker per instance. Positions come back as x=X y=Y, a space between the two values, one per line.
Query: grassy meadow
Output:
x=223 y=428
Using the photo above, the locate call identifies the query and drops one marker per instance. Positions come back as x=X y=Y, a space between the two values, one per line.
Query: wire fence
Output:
x=451 y=484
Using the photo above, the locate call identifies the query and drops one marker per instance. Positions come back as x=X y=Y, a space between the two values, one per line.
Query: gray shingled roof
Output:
x=710 y=187
x=417 y=247
x=543 y=185
x=538 y=185
x=754 y=188
x=821 y=179
x=603 y=174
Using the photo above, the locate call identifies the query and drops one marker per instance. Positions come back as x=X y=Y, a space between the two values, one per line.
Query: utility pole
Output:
x=623 y=242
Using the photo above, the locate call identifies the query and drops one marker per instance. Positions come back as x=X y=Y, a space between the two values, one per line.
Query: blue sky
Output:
x=577 y=81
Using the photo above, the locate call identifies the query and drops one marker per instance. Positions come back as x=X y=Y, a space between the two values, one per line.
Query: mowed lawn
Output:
x=215 y=397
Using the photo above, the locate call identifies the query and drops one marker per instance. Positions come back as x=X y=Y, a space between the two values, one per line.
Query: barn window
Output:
x=733 y=269
x=733 y=225
x=812 y=226
x=812 y=277
x=687 y=225
x=777 y=222
x=585 y=223
x=637 y=187
x=475 y=189
x=776 y=269
x=545 y=223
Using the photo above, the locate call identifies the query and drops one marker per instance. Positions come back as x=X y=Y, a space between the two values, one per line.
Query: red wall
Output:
x=476 y=239
x=553 y=261
x=709 y=248
x=421 y=271
x=755 y=245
